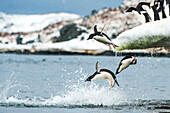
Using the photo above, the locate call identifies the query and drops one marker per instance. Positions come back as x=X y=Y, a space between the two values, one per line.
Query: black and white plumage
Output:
x=125 y=62
x=139 y=7
x=156 y=12
x=140 y=12
x=167 y=7
x=147 y=17
x=101 y=37
x=103 y=74
x=162 y=9
x=142 y=17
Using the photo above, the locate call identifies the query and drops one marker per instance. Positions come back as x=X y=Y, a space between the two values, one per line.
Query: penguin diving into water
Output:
x=125 y=62
x=103 y=74
x=101 y=37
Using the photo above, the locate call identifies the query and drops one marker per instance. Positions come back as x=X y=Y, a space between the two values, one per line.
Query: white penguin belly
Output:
x=125 y=64
x=104 y=40
x=140 y=18
x=103 y=75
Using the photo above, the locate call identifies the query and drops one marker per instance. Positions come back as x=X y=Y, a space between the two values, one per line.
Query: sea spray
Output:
x=76 y=94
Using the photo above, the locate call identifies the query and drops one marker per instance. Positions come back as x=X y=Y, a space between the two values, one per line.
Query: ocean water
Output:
x=55 y=84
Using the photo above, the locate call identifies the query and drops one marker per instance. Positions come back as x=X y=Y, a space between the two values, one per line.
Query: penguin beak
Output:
x=114 y=83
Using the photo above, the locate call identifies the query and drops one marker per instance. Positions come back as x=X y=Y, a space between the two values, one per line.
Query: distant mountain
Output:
x=29 y=23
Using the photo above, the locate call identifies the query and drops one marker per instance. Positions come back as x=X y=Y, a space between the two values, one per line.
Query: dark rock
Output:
x=19 y=39
x=30 y=42
x=68 y=32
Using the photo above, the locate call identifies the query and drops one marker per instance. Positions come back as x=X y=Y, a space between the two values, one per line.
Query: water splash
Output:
x=77 y=95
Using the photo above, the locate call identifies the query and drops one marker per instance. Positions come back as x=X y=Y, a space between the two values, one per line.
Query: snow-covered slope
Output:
x=28 y=23
x=153 y=34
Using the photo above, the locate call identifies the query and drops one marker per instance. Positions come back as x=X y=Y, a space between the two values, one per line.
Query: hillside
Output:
x=68 y=33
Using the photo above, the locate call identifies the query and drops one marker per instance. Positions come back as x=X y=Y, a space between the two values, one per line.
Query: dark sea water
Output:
x=55 y=84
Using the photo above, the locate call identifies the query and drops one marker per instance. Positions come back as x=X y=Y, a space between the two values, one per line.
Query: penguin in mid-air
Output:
x=101 y=37
x=103 y=74
x=125 y=62
x=140 y=12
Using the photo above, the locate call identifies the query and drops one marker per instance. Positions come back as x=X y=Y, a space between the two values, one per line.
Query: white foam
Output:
x=79 y=96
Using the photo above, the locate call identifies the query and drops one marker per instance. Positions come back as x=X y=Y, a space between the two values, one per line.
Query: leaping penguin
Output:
x=101 y=37
x=125 y=62
x=103 y=74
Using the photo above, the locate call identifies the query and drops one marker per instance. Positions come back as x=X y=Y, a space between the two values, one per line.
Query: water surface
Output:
x=42 y=83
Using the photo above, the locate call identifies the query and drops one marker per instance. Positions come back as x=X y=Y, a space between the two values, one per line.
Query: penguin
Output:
x=149 y=10
x=103 y=74
x=167 y=9
x=101 y=37
x=168 y=4
x=142 y=17
x=161 y=8
x=141 y=4
x=125 y=62
x=147 y=17
x=156 y=14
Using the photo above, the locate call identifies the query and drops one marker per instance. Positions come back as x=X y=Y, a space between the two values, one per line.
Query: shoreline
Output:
x=105 y=53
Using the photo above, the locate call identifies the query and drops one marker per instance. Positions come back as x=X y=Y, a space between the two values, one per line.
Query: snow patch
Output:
x=145 y=35
x=28 y=23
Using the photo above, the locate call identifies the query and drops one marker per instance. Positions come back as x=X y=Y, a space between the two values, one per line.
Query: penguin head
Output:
x=116 y=82
x=134 y=60
x=96 y=33
x=133 y=9
x=91 y=36
x=130 y=9
x=91 y=77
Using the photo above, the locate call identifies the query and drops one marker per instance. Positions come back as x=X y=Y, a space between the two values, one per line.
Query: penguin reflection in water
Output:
x=125 y=62
x=103 y=74
x=101 y=37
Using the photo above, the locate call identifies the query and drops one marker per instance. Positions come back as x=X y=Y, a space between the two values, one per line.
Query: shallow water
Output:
x=42 y=83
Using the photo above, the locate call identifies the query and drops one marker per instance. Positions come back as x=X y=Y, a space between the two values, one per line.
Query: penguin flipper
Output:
x=95 y=29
